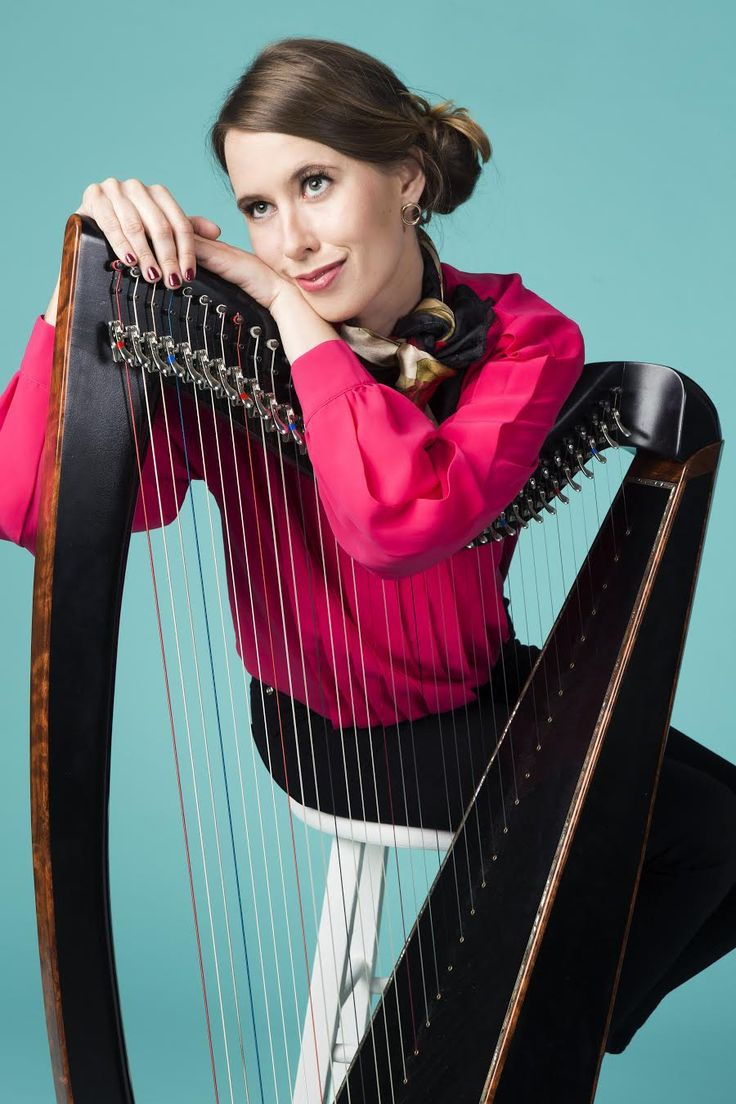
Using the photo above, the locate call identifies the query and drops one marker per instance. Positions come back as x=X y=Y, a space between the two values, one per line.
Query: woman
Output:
x=426 y=393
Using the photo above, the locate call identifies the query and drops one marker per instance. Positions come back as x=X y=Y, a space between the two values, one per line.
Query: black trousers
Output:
x=424 y=773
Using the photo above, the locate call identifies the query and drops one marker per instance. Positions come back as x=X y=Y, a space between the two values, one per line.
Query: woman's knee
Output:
x=693 y=821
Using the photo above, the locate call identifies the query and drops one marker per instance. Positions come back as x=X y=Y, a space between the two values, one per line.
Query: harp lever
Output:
x=281 y=425
x=163 y=366
x=569 y=478
x=222 y=372
x=189 y=361
x=203 y=363
x=607 y=435
x=596 y=451
x=258 y=396
x=581 y=465
x=558 y=491
x=535 y=514
x=295 y=430
x=120 y=351
x=626 y=432
x=517 y=515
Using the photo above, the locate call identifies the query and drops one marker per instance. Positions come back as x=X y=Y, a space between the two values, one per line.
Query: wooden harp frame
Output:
x=526 y=1015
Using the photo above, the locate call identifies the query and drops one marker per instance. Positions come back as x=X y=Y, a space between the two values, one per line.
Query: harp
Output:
x=527 y=922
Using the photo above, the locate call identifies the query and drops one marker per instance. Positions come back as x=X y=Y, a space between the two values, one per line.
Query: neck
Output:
x=400 y=294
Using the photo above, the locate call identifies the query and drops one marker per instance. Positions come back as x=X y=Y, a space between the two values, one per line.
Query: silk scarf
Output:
x=438 y=339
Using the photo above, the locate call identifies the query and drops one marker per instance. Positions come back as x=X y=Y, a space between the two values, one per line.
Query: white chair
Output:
x=343 y=971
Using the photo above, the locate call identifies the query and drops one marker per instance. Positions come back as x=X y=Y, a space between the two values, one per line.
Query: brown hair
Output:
x=348 y=100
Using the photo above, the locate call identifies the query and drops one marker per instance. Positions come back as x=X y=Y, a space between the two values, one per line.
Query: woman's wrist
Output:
x=300 y=327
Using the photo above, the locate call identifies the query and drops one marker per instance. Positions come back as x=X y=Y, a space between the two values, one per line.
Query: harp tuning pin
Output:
x=221 y=309
x=255 y=331
x=188 y=292
x=238 y=319
x=205 y=300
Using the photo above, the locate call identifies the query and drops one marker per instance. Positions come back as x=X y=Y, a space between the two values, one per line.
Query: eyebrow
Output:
x=246 y=199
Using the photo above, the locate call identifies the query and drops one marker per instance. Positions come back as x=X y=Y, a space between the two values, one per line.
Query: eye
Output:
x=250 y=210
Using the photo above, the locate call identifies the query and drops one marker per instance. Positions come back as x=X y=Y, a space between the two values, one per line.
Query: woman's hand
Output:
x=244 y=269
x=146 y=226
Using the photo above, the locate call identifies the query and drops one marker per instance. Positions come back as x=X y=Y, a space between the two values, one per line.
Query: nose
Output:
x=299 y=237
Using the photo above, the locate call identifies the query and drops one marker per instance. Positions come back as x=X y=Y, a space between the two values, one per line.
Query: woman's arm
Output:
x=402 y=494
x=50 y=313
x=23 y=412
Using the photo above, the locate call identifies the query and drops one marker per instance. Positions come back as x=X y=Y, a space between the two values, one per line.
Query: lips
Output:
x=328 y=275
x=311 y=276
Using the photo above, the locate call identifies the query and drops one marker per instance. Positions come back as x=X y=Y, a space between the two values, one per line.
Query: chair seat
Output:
x=373 y=832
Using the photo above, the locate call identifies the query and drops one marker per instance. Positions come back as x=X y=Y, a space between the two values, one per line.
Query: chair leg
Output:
x=358 y=982
x=338 y=1008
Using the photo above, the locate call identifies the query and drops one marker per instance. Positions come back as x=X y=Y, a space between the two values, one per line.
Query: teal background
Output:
x=610 y=190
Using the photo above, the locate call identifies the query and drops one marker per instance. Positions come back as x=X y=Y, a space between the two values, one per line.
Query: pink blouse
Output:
x=388 y=616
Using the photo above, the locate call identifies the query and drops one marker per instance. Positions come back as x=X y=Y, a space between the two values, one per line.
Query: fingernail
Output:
x=130 y=258
x=189 y=274
x=153 y=273
x=174 y=280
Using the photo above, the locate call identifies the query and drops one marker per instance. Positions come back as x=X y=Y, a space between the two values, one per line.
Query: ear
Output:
x=412 y=179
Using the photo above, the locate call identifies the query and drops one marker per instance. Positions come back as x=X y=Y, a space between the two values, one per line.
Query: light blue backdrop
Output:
x=611 y=191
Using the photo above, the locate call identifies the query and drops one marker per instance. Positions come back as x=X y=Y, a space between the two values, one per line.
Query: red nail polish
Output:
x=153 y=273
x=130 y=258
x=174 y=280
x=189 y=274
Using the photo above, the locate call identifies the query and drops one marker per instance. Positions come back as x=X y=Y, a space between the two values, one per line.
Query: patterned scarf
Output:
x=434 y=341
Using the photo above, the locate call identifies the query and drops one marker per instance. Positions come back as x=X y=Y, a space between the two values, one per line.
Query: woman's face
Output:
x=308 y=206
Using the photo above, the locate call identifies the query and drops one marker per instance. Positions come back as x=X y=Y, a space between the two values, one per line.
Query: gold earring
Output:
x=414 y=221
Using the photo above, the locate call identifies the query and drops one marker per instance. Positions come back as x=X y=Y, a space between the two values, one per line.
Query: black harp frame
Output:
x=527 y=1018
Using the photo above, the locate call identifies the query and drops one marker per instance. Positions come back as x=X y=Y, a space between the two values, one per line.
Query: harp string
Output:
x=530 y=578
x=210 y=776
x=246 y=696
x=171 y=720
x=195 y=785
x=323 y=709
x=239 y=900
x=226 y=529
x=289 y=543
x=235 y=862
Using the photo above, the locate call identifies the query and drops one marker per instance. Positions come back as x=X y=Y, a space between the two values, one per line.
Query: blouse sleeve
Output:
x=402 y=494
x=23 y=409
x=23 y=412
